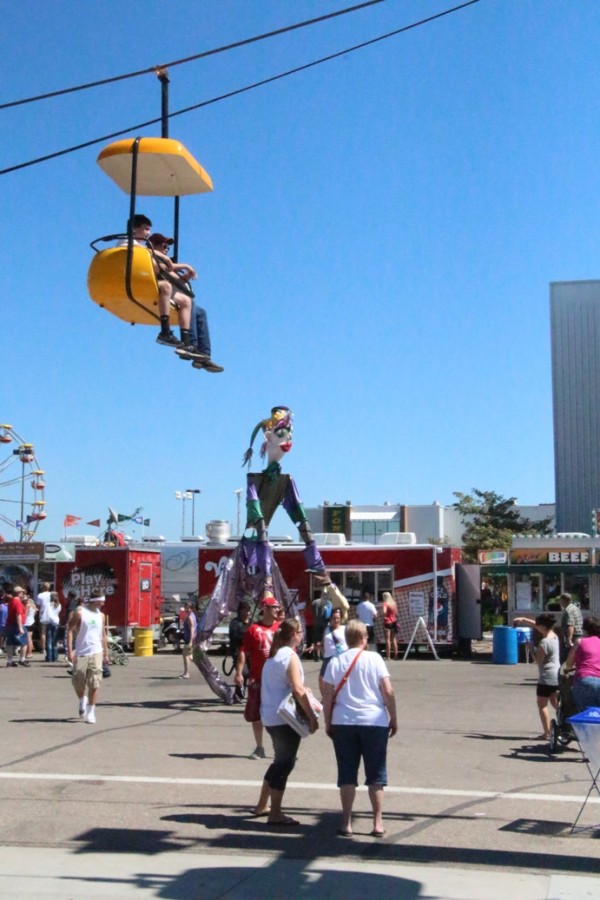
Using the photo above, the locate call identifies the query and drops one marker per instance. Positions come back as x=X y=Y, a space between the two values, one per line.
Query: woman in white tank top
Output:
x=281 y=674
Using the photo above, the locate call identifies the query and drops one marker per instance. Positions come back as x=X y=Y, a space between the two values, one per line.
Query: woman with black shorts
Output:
x=547 y=657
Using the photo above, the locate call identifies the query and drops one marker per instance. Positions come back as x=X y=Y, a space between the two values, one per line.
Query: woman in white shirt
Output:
x=334 y=642
x=52 y=616
x=360 y=714
x=281 y=674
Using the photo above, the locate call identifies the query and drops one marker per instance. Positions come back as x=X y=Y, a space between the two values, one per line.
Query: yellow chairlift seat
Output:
x=164 y=168
x=106 y=285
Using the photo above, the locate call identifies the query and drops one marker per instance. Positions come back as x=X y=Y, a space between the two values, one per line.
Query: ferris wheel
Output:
x=22 y=484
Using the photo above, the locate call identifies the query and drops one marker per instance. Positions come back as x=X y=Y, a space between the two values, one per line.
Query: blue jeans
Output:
x=285 y=744
x=199 y=329
x=51 y=642
x=586 y=692
x=353 y=742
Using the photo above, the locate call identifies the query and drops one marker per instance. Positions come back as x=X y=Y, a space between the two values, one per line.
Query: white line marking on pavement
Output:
x=297 y=785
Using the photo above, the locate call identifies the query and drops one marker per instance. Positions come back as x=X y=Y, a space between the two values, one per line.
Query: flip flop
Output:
x=286 y=822
x=259 y=815
x=377 y=834
x=343 y=833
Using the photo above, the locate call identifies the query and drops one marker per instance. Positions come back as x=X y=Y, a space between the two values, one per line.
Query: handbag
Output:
x=290 y=711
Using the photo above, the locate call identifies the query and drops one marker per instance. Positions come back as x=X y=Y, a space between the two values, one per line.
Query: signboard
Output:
x=336 y=520
x=551 y=556
x=524 y=595
x=492 y=557
x=416 y=602
x=23 y=551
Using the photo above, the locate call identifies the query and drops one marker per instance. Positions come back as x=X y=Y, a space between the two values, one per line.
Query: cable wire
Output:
x=237 y=91
x=179 y=62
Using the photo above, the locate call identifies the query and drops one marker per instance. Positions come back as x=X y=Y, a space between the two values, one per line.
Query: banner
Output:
x=71 y=520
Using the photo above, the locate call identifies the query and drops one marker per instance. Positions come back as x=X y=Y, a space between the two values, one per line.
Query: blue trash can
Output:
x=504 y=647
x=524 y=643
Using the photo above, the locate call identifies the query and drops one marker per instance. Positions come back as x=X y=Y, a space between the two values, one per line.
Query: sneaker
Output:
x=168 y=339
x=24 y=662
x=11 y=663
x=189 y=351
x=90 y=717
x=207 y=364
x=83 y=705
x=258 y=753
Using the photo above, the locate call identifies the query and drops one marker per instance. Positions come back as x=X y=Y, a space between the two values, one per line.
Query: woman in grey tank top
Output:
x=547 y=657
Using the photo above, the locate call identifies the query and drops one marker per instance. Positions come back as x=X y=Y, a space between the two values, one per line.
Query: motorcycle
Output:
x=171 y=633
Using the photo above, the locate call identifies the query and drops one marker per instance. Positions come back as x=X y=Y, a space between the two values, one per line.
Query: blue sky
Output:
x=376 y=253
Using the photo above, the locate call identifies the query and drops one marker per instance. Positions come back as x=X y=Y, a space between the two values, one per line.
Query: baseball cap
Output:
x=269 y=599
x=158 y=238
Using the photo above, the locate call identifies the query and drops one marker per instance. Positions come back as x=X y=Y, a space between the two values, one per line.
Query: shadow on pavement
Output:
x=282 y=878
x=231 y=833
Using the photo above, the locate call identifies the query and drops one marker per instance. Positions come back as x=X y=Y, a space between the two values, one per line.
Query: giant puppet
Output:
x=251 y=571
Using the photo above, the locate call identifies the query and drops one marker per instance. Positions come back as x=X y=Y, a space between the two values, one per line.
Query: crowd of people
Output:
x=358 y=705
x=80 y=626
x=358 y=700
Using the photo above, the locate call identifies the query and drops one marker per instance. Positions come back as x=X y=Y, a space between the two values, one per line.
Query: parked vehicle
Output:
x=171 y=632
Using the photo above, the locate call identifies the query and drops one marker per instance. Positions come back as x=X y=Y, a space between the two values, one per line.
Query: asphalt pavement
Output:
x=155 y=799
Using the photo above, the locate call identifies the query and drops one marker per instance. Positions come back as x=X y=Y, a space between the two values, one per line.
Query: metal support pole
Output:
x=22 y=498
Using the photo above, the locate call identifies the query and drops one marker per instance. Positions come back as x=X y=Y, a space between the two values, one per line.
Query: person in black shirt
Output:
x=237 y=630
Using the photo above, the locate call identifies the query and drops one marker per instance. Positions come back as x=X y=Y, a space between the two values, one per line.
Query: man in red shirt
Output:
x=15 y=626
x=255 y=650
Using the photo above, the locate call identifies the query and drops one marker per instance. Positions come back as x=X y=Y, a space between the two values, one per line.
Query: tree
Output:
x=491 y=521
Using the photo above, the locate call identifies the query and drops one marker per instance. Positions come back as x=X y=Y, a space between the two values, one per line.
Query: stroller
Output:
x=561 y=732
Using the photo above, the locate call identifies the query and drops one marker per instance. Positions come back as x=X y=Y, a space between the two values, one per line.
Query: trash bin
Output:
x=142 y=642
x=504 y=647
x=524 y=643
x=586 y=726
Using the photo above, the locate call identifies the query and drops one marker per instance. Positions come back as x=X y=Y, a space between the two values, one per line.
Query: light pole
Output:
x=192 y=492
x=238 y=493
x=183 y=496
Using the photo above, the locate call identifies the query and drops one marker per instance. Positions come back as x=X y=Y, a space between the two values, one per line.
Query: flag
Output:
x=139 y=520
x=95 y=522
x=121 y=518
x=71 y=520
x=146 y=522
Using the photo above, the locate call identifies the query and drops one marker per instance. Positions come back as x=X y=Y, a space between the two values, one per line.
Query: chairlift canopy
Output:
x=164 y=168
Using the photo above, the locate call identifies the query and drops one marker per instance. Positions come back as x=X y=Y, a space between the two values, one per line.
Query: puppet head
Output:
x=277 y=431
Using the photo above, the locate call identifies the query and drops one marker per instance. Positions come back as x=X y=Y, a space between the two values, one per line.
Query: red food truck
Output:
x=421 y=578
x=128 y=577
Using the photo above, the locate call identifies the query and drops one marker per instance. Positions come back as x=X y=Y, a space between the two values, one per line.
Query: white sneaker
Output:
x=83 y=704
x=90 y=717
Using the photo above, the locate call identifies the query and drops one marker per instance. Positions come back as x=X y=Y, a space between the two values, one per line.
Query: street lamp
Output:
x=183 y=496
x=238 y=493
x=192 y=492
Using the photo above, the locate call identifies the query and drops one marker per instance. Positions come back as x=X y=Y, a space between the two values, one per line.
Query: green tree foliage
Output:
x=491 y=521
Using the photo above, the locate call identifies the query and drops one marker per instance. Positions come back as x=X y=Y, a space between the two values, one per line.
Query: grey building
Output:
x=575 y=343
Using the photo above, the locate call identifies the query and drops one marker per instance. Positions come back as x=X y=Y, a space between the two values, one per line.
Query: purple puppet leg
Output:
x=313 y=559
x=223 y=691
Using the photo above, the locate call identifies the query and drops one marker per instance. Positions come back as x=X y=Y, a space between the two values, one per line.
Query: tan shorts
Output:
x=87 y=672
x=186 y=649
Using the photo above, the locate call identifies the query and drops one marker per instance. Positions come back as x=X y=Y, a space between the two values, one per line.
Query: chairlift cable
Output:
x=237 y=91
x=206 y=53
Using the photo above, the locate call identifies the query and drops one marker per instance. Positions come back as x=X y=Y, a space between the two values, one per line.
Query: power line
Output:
x=179 y=62
x=237 y=91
